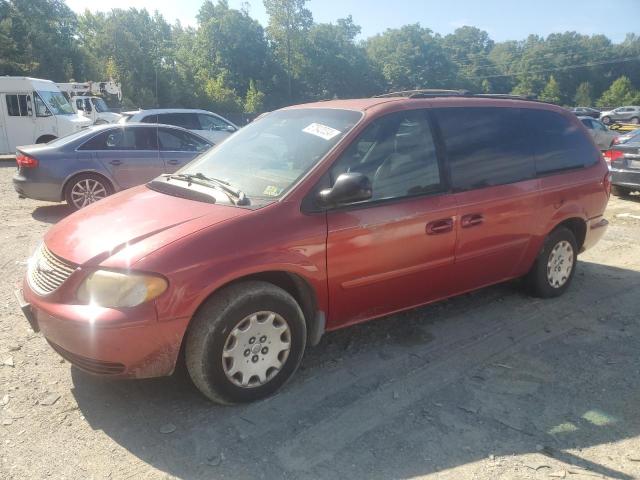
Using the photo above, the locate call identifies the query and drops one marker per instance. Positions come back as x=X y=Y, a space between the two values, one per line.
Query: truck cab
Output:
x=33 y=110
x=95 y=109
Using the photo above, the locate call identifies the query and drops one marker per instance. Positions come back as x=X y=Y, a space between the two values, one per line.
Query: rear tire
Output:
x=233 y=332
x=606 y=120
x=555 y=266
x=635 y=120
x=619 y=191
x=85 y=189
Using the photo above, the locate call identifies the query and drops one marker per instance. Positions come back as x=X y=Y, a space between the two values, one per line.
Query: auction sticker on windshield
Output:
x=321 y=131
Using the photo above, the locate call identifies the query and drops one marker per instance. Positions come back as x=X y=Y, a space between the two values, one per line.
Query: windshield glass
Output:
x=57 y=102
x=268 y=156
x=100 y=105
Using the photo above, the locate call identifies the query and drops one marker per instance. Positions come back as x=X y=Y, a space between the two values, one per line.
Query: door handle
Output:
x=471 y=220
x=115 y=162
x=172 y=162
x=443 y=225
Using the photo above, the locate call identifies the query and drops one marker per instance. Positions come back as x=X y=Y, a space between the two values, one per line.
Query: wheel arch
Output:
x=577 y=226
x=45 y=138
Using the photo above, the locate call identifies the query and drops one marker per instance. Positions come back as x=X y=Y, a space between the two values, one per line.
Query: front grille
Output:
x=99 y=367
x=46 y=271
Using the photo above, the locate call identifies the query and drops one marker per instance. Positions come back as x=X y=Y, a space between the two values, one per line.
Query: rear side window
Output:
x=485 y=146
x=559 y=143
x=18 y=105
x=123 y=139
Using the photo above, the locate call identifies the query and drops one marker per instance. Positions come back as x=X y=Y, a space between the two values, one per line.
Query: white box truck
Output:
x=85 y=99
x=33 y=110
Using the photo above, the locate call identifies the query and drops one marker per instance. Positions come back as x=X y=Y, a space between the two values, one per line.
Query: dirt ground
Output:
x=493 y=384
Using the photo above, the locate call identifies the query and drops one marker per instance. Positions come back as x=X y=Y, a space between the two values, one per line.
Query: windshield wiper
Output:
x=236 y=195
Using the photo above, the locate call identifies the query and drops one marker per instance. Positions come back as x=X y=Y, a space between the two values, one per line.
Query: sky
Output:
x=502 y=19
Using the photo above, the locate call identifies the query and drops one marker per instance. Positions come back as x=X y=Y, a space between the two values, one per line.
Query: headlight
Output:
x=113 y=289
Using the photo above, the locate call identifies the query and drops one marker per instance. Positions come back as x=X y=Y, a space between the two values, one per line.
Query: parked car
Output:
x=586 y=112
x=33 y=110
x=632 y=136
x=310 y=219
x=599 y=131
x=624 y=161
x=204 y=123
x=629 y=114
x=87 y=166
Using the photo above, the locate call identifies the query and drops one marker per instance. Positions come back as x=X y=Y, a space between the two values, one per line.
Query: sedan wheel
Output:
x=85 y=190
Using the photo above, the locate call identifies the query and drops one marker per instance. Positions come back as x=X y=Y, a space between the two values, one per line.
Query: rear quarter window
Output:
x=558 y=142
x=485 y=146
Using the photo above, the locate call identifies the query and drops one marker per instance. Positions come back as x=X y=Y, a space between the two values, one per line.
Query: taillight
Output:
x=611 y=155
x=25 y=161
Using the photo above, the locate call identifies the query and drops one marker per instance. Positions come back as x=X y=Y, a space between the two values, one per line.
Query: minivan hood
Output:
x=139 y=220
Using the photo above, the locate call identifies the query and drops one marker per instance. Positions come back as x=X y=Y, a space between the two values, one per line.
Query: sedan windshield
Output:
x=57 y=102
x=267 y=157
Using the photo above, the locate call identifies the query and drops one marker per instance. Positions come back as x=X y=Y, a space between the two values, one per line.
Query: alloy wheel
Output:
x=87 y=191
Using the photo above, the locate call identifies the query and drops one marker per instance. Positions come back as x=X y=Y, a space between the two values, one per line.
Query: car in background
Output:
x=624 y=163
x=599 y=132
x=94 y=108
x=202 y=122
x=629 y=114
x=87 y=166
x=632 y=136
x=585 y=112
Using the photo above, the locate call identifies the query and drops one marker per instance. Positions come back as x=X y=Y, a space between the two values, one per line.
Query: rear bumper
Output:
x=125 y=343
x=596 y=228
x=25 y=187
x=625 y=178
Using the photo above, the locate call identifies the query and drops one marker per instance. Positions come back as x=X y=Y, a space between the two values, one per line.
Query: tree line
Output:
x=230 y=64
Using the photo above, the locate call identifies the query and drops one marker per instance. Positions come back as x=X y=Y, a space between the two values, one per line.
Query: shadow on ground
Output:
x=51 y=213
x=490 y=373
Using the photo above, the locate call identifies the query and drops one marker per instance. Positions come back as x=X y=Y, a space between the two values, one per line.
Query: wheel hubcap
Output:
x=560 y=264
x=256 y=349
x=87 y=191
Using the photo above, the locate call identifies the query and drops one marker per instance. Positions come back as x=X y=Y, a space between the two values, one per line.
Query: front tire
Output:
x=245 y=342
x=555 y=266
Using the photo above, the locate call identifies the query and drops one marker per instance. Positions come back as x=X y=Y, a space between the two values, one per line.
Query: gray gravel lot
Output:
x=493 y=384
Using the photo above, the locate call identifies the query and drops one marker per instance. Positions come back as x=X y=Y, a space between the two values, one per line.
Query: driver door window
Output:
x=209 y=122
x=397 y=153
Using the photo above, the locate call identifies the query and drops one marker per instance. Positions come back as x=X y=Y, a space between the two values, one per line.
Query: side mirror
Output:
x=349 y=187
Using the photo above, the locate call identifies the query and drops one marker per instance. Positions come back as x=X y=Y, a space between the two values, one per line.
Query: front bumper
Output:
x=596 y=228
x=125 y=343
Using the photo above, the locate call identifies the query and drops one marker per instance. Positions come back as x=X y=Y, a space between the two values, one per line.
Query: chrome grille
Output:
x=46 y=271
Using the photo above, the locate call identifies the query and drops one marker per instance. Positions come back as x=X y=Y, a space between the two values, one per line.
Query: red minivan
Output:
x=313 y=218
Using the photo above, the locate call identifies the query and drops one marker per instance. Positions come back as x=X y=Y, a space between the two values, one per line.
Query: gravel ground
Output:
x=493 y=384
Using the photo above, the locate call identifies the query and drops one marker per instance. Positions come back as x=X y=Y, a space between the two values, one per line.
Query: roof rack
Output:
x=435 y=92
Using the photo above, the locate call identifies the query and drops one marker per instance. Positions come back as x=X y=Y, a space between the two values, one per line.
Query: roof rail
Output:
x=425 y=92
x=434 y=92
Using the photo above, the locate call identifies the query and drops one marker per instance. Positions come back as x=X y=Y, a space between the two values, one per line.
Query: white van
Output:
x=34 y=111
x=95 y=109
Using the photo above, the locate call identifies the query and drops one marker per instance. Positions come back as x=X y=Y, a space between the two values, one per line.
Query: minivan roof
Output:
x=8 y=83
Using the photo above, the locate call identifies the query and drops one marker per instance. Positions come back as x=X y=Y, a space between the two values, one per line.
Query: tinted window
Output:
x=179 y=141
x=184 y=120
x=397 y=153
x=18 y=105
x=586 y=122
x=559 y=144
x=123 y=139
x=211 y=122
x=485 y=146
x=150 y=119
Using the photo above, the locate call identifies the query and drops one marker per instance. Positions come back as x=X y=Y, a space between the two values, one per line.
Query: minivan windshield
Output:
x=57 y=102
x=100 y=105
x=267 y=157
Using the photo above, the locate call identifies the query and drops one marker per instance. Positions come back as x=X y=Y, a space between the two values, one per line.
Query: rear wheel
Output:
x=619 y=191
x=606 y=120
x=553 y=270
x=245 y=342
x=635 y=120
x=85 y=189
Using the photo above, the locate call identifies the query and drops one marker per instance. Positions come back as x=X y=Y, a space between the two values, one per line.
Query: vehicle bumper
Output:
x=121 y=343
x=596 y=228
x=625 y=178
x=25 y=187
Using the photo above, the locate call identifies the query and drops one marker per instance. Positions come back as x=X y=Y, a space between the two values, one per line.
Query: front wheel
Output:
x=553 y=270
x=245 y=342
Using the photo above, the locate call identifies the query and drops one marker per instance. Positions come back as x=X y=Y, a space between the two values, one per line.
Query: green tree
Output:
x=289 y=21
x=254 y=100
x=621 y=92
x=551 y=91
x=583 y=96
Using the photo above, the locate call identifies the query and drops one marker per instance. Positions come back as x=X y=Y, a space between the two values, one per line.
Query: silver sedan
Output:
x=89 y=165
